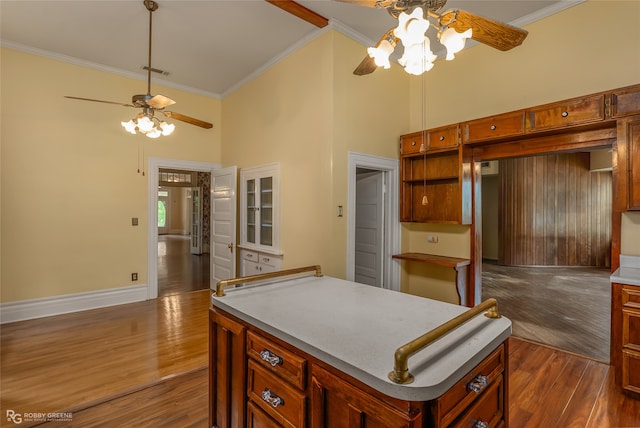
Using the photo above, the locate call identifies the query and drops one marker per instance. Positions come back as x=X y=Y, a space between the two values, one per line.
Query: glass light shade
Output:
x=418 y=58
x=145 y=124
x=167 y=128
x=155 y=133
x=129 y=126
x=381 y=54
x=454 y=41
x=411 y=27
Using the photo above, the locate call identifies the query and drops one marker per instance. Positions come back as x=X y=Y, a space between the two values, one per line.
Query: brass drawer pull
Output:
x=271 y=358
x=565 y=114
x=478 y=384
x=272 y=398
x=480 y=424
x=493 y=127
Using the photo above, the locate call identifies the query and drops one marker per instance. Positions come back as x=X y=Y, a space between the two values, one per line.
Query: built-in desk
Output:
x=459 y=265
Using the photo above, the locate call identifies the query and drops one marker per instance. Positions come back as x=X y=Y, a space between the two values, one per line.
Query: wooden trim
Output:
x=301 y=12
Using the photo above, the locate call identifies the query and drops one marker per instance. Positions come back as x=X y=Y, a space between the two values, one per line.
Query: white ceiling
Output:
x=206 y=46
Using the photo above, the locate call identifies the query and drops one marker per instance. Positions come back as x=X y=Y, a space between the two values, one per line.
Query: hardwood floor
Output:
x=564 y=307
x=179 y=271
x=145 y=365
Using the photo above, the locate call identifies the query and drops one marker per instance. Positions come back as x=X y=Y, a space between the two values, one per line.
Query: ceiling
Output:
x=206 y=46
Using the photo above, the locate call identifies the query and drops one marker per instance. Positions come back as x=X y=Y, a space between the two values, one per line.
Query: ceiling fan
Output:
x=414 y=13
x=145 y=122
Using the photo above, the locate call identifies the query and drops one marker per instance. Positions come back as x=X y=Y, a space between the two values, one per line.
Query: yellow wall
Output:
x=307 y=112
x=566 y=55
x=69 y=185
x=69 y=180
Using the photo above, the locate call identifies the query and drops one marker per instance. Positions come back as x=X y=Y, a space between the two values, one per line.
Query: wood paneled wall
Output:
x=554 y=212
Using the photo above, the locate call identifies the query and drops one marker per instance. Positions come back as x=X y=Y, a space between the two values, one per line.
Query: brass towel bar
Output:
x=220 y=285
x=400 y=373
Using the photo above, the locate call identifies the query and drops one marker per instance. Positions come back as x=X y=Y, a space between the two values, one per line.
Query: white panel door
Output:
x=195 y=220
x=224 y=183
x=369 y=231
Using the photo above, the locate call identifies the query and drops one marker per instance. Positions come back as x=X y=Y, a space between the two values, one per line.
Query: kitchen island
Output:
x=300 y=350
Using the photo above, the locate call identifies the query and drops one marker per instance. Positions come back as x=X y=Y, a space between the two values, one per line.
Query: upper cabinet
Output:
x=578 y=111
x=435 y=183
x=494 y=127
x=260 y=208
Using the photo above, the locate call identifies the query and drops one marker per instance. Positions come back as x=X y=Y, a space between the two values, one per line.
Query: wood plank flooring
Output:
x=145 y=365
x=179 y=271
x=564 y=307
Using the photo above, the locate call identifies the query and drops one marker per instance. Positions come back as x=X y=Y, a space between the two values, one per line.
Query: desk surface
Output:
x=453 y=262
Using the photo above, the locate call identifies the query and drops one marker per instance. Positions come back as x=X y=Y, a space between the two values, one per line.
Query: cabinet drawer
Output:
x=463 y=393
x=281 y=401
x=267 y=260
x=277 y=360
x=567 y=113
x=505 y=125
x=487 y=411
x=412 y=143
x=631 y=297
x=256 y=418
x=251 y=256
x=440 y=138
x=625 y=102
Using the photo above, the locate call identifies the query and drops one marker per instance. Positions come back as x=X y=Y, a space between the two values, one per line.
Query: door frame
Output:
x=392 y=231
x=155 y=164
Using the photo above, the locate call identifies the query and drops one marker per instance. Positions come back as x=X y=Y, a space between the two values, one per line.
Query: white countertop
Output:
x=357 y=328
x=628 y=272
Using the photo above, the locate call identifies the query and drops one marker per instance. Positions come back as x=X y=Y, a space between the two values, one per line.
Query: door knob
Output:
x=230 y=246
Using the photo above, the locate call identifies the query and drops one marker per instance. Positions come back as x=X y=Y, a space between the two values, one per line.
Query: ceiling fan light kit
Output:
x=454 y=27
x=145 y=122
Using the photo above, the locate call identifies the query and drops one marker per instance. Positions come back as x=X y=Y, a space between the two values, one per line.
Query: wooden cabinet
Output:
x=462 y=402
x=624 y=102
x=442 y=138
x=577 y=111
x=435 y=187
x=494 y=127
x=255 y=262
x=337 y=403
x=227 y=371
x=629 y=162
x=631 y=338
x=259 y=381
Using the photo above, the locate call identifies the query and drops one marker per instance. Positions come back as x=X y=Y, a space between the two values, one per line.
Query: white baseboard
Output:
x=56 y=305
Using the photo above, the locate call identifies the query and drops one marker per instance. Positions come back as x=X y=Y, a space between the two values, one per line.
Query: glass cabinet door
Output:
x=266 y=211
x=259 y=208
x=251 y=211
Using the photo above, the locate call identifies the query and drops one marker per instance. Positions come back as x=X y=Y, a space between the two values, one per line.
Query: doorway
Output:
x=546 y=247
x=374 y=237
x=155 y=165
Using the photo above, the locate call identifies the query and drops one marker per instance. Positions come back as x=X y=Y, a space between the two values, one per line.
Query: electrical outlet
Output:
x=432 y=239
x=134 y=276
x=134 y=221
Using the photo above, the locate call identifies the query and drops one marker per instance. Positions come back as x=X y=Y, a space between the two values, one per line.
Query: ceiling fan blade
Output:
x=380 y=4
x=366 y=66
x=301 y=12
x=99 y=101
x=160 y=101
x=492 y=33
x=191 y=120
